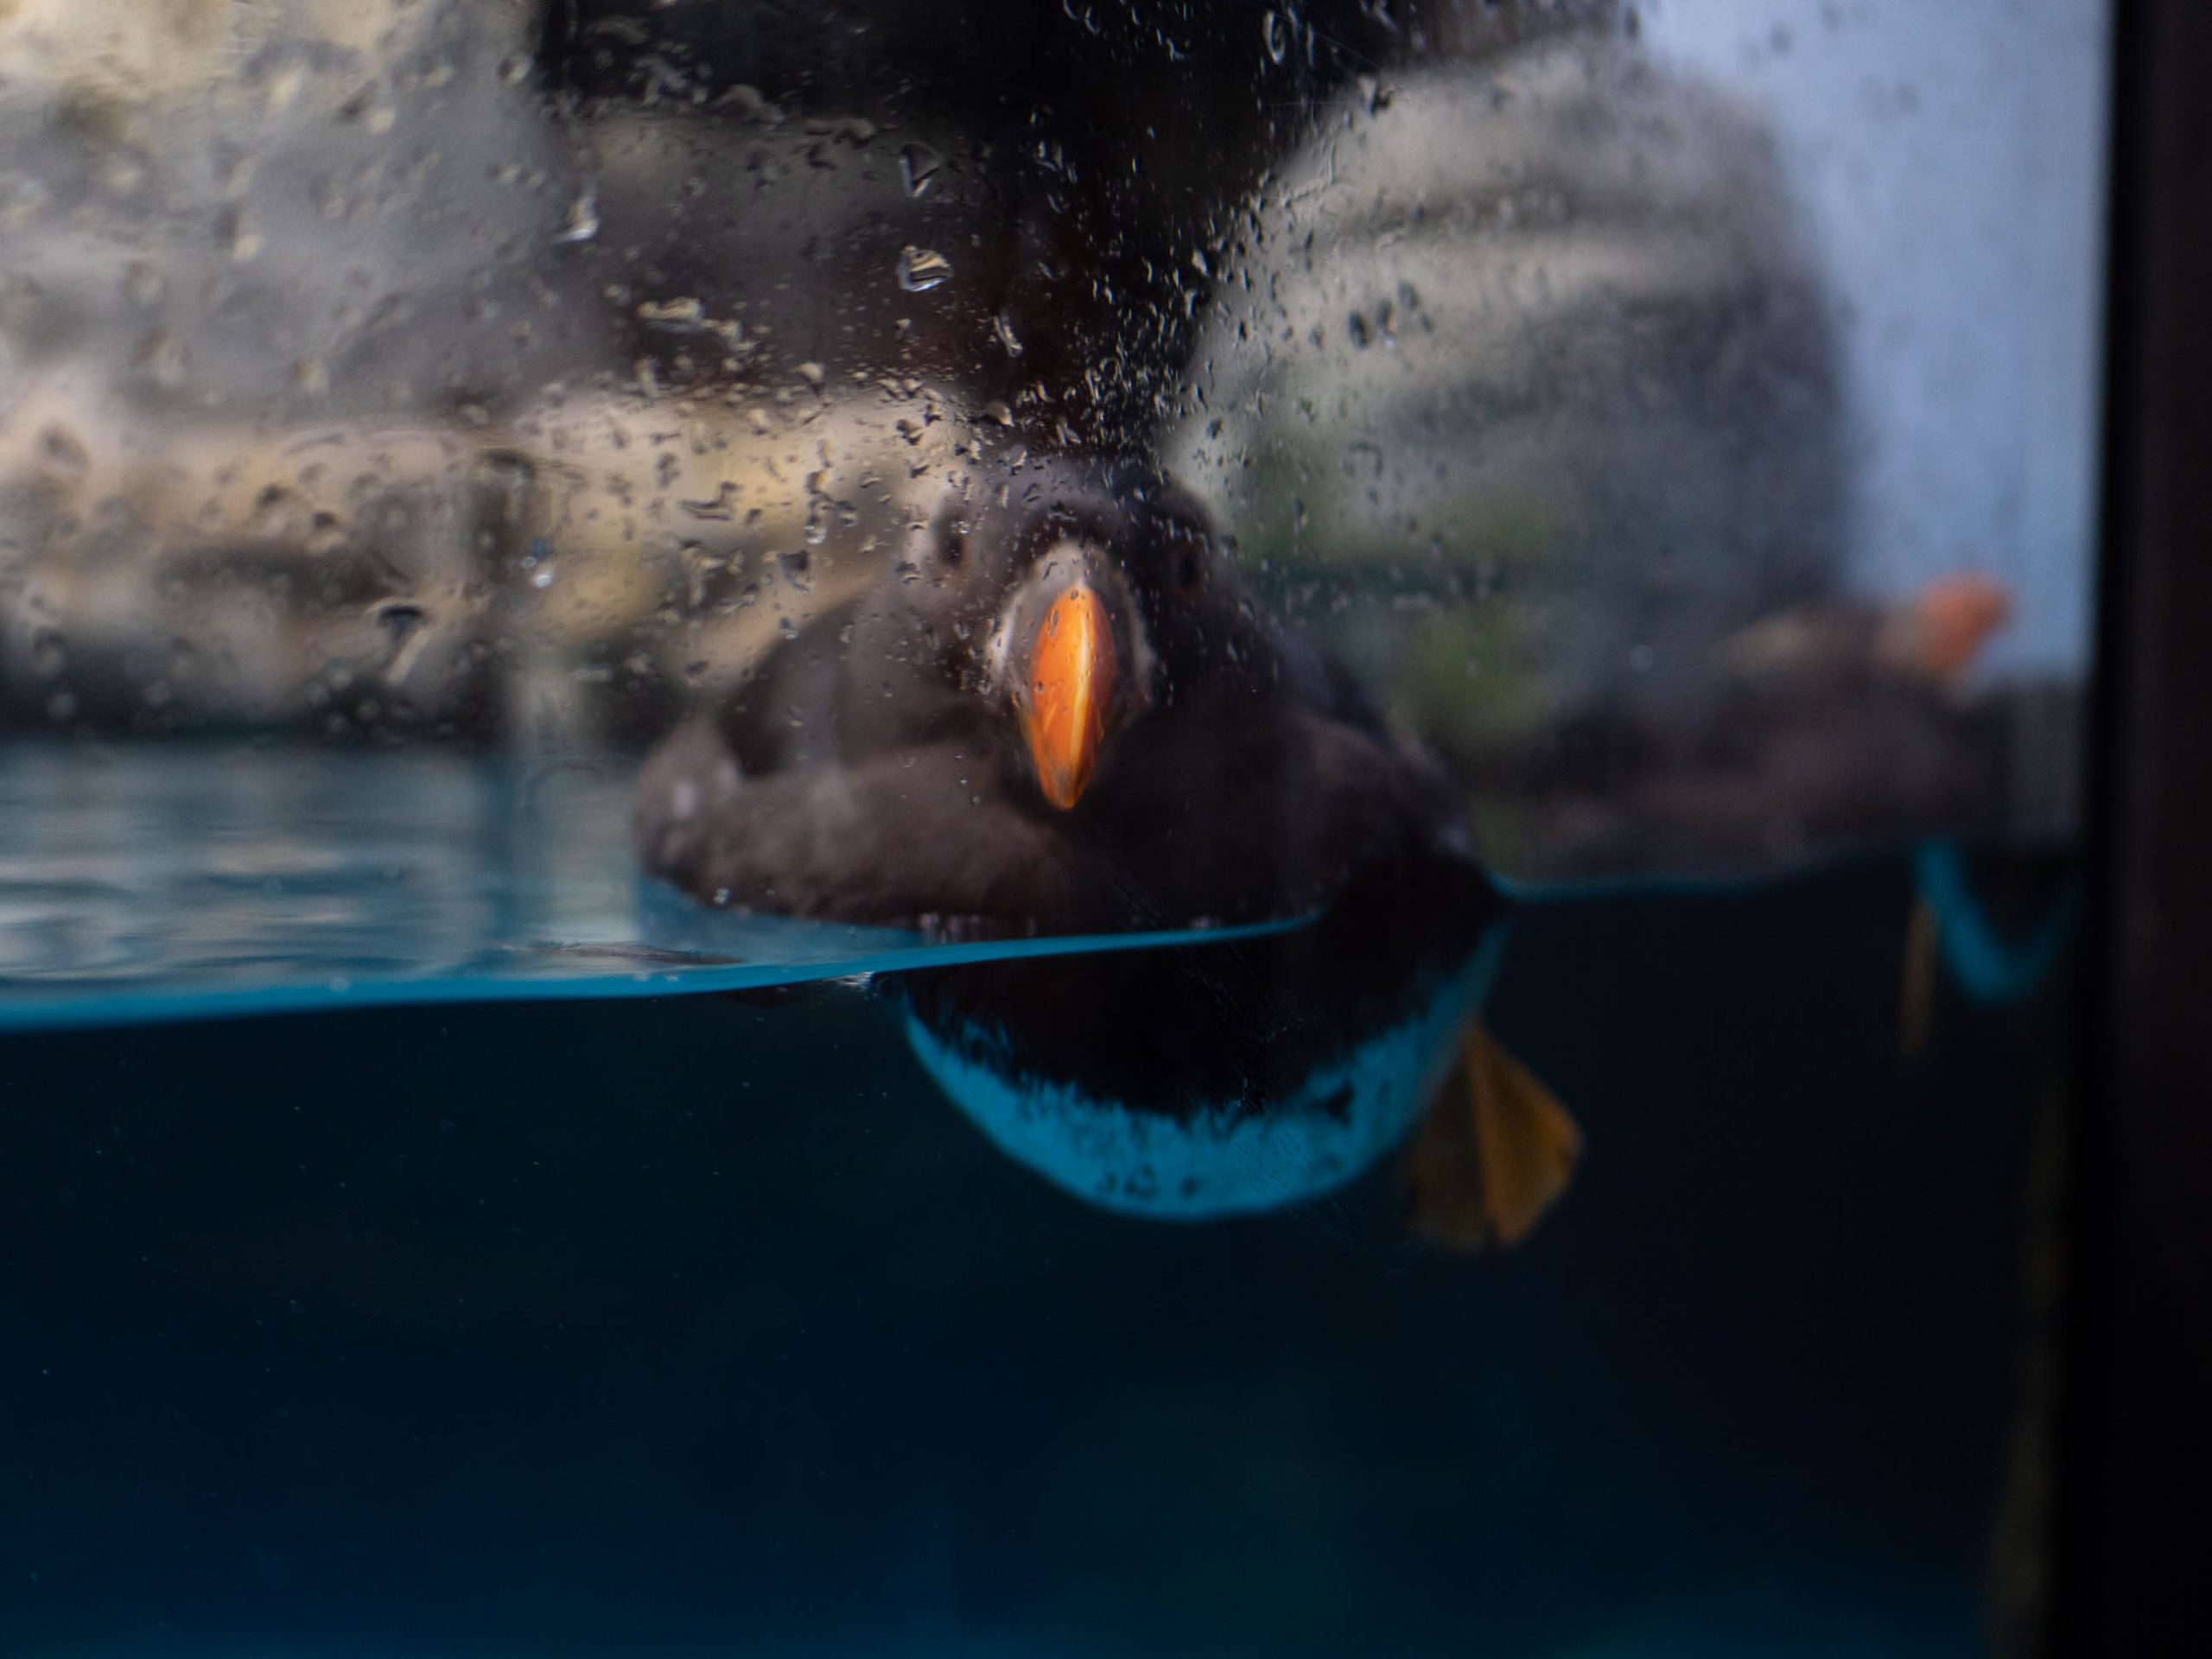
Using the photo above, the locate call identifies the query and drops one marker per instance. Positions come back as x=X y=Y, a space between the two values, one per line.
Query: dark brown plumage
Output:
x=872 y=770
x=886 y=766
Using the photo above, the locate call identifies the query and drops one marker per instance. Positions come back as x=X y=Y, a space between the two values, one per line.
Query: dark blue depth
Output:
x=693 y=1327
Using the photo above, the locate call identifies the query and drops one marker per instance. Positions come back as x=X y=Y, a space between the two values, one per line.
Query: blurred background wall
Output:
x=519 y=372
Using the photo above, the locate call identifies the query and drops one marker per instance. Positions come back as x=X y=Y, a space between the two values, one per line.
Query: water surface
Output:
x=666 y=1325
x=186 y=881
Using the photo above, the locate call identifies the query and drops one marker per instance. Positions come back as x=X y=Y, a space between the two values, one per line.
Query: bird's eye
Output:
x=1189 y=571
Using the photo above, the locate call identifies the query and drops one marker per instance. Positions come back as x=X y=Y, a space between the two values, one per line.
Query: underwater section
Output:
x=693 y=1326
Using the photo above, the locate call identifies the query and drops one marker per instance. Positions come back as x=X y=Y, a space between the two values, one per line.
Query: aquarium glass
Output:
x=1046 y=827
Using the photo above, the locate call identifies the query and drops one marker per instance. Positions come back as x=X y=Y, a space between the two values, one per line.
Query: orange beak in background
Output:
x=1071 y=669
x=1958 y=614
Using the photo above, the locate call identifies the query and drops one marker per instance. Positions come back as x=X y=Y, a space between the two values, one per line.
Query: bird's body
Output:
x=1062 y=714
x=873 y=771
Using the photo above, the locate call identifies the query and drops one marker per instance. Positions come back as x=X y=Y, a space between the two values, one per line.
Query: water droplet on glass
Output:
x=402 y=622
x=722 y=507
x=62 y=452
x=161 y=356
x=49 y=655
x=681 y=313
x=701 y=566
x=918 y=166
x=1275 y=35
x=234 y=233
x=1003 y=326
x=582 y=223
x=921 y=269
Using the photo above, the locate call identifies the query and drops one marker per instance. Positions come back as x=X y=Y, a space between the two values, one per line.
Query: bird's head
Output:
x=1076 y=598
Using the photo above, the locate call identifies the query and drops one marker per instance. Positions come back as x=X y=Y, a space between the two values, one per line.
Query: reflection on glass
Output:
x=1288 y=587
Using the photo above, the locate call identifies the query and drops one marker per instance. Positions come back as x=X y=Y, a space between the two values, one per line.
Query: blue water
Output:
x=673 y=1325
x=184 y=883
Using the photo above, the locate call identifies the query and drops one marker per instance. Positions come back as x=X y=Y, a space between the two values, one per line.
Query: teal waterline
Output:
x=185 y=883
x=173 y=884
x=70 y=1009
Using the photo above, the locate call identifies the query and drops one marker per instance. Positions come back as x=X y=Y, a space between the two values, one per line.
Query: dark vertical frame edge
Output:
x=2135 y=1400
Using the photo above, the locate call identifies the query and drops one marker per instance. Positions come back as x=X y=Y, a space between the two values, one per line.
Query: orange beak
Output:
x=1071 y=688
x=1957 y=615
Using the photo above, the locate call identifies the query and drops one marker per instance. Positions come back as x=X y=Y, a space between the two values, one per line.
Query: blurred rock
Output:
x=572 y=576
x=1527 y=374
x=322 y=412
x=1075 y=172
x=508 y=371
x=517 y=371
x=286 y=212
x=1828 y=725
x=193 y=573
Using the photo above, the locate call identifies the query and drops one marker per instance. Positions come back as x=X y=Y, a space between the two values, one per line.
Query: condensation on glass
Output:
x=1671 y=428
x=521 y=374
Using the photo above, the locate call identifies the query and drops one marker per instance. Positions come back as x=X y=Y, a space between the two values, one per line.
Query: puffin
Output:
x=1833 y=721
x=1061 y=714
